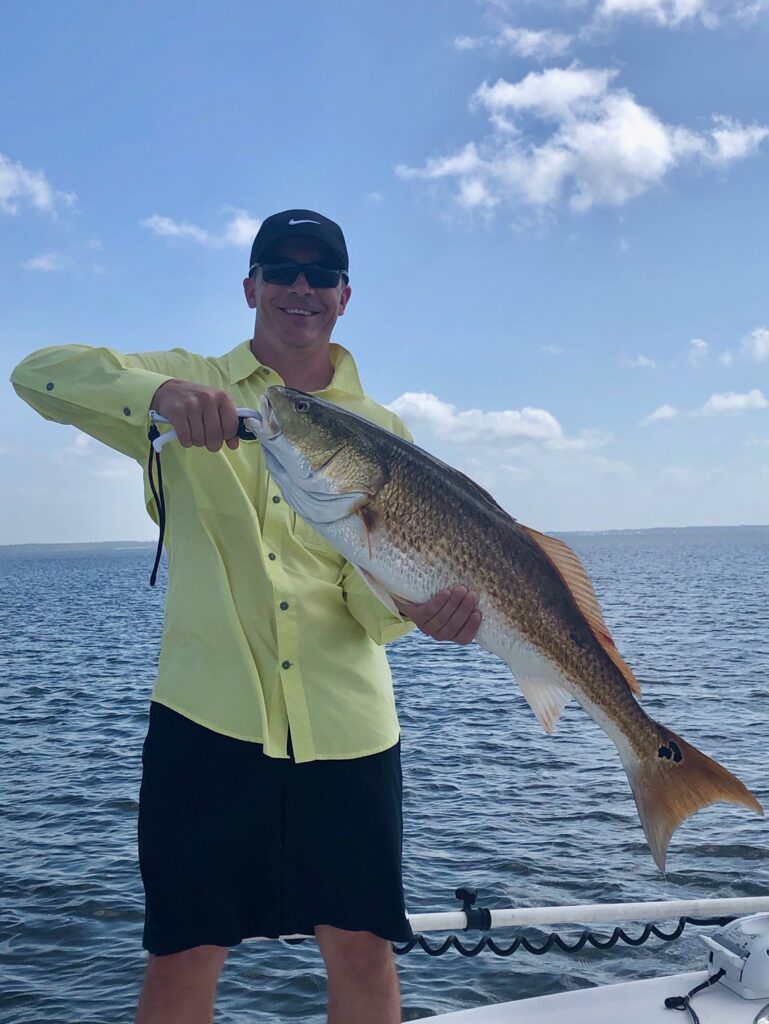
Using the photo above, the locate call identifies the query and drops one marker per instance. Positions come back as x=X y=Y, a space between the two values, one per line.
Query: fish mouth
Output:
x=270 y=421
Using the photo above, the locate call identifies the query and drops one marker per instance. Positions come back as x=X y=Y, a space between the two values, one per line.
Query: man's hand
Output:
x=450 y=615
x=201 y=416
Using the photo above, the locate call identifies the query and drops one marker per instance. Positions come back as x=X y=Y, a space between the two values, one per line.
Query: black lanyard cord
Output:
x=684 y=1002
x=160 y=499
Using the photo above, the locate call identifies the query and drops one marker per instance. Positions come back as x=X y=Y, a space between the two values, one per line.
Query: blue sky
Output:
x=556 y=213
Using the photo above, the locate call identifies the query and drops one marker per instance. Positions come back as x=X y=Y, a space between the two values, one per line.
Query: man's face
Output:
x=296 y=314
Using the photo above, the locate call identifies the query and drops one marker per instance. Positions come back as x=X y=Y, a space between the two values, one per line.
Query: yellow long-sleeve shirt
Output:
x=265 y=625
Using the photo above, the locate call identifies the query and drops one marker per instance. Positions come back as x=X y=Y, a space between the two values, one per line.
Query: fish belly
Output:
x=404 y=574
x=401 y=572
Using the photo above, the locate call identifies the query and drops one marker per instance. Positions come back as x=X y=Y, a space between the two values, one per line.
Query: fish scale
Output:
x=414 y=526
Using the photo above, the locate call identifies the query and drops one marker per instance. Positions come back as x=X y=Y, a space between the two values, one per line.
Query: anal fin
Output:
x=546 y=697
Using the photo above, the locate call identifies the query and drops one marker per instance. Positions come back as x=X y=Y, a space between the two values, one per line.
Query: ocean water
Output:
x=490 y=801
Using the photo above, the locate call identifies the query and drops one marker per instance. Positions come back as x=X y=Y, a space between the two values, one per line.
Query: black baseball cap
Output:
x=295 y=223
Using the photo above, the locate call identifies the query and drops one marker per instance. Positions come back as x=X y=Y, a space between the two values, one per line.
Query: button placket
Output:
x=289 y=676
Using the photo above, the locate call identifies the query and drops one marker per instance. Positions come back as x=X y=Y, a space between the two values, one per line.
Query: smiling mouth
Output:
x=297 y=311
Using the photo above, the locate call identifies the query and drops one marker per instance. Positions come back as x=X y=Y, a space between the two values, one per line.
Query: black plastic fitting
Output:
x=477 y=917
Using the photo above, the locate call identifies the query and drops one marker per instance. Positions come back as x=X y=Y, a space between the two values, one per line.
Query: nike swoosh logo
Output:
x=305 y=222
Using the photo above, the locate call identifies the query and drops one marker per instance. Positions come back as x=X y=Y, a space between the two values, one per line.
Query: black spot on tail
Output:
x=671 y=750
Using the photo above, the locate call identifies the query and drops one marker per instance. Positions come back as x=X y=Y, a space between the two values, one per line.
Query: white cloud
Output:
x=504 y=450
x=77 y=260
x=241 y=229
x=600 y=466
x=536 y=44
x=604 y=148
x=552 y=350
x=469 y=42
x=749 y=10
x=100 y=460
x=46 y=262
x=726 y=358
x=664 y=412
x=82 y=446
x=756 y=345
x=509 y=426
x=684 y=476
x=473 y=194
x=21 y=187
x=238 y=231
x=587 y=440
x=638 y=362
x=516 y=472
x=663 y=12
x=673 y=13
x=555 y=94
x=446 y=421
x=466 y=161
x=732 y=402
x=167 y=228
x=732 y=140
x=698 y=352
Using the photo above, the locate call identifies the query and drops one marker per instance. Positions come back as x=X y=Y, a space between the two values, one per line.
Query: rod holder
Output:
x=477 y=917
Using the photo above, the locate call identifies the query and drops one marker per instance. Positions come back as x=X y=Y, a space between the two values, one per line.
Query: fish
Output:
x=413 y=526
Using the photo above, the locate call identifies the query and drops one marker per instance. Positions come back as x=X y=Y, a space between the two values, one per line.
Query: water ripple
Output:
x=489 y=801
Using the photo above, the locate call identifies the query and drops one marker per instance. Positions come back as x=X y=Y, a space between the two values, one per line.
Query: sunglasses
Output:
x=286 y=273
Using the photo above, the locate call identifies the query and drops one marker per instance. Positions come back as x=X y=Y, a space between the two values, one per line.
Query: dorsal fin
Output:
x=573 y=574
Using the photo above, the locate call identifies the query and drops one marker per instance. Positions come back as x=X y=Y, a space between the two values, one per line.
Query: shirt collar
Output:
x=241 y=363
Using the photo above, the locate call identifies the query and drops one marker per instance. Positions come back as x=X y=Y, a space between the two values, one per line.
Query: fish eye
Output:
x=301 y=405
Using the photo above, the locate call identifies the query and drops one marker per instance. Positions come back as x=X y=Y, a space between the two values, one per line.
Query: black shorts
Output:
x=234 y=844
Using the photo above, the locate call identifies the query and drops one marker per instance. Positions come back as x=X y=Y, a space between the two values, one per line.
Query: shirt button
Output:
x=283 y=605
x=275 y=499
x=285 y=664
x=271 y=556
x=49 y=387
x=126 y=411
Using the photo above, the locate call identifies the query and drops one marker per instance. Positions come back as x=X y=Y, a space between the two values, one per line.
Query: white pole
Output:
x=596 y=913
x=589 y=913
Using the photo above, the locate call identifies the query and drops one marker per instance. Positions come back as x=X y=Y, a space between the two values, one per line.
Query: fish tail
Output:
x=673 y=782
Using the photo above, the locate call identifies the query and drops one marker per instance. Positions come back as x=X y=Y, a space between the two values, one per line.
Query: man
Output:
x=270 y=799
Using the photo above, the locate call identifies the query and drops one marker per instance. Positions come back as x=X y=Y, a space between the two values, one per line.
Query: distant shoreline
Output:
x=112 y=545
x=102 y=545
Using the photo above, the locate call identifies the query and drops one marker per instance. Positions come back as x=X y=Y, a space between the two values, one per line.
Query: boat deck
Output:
x=633 y=1002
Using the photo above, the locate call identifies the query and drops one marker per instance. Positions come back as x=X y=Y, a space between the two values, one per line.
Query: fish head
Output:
x=316 y=452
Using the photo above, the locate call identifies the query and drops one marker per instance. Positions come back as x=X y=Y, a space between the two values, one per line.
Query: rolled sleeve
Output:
x=365 y=607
